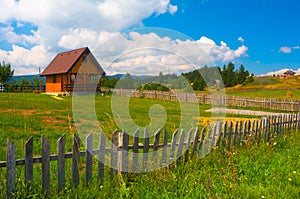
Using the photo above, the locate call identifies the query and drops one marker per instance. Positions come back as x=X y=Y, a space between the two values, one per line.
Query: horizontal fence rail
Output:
x=234 y=101
x=137 y=155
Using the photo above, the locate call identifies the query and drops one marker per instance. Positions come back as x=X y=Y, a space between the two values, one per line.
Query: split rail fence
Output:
x=134 y=155
x=217 y=100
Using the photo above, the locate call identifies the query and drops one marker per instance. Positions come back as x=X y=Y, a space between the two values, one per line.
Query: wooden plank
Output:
x=155 y=146
x=275 y=124
x=219 y=134
x=224 y=134
x=164 y=150
x=135 y=164
x=256 y=131
x=195 y=141
x=29 y=162
x=173 y=145
x=236 y=130
x=298 y=120
x=146 y=149
x=260 y=132
x=188 y=144
x=268 y=132
x=125 y=140
x=114 y=153
x=201 y=140
x=229 y=136
x=10 y=169
x=61 y=162
x=89 y=158
x=75 y=160
x=240 y=133
x=213 y=136
x=243 y=137
x=101 y=156
x=181 y=143
x=248 y=138
x=45 y=164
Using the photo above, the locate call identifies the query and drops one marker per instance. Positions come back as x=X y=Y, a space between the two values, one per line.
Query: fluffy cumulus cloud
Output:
x=285 y=50
x=57 y=20
x=64 y=25
x=148 y=54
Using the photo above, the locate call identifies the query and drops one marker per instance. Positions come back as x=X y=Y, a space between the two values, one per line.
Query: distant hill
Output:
x=26 y=77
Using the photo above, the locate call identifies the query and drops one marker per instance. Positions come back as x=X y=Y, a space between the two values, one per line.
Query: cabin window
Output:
x=94 y=79
x=54 y=78
x=73 y=78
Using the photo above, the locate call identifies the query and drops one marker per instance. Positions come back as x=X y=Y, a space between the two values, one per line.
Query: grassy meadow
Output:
x=268 y=87
x=265 y=171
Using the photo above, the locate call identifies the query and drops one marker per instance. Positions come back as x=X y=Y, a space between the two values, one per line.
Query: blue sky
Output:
x=263 y=35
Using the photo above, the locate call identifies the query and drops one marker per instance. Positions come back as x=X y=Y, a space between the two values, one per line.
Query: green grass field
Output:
x=268 y=87
x=270 y=171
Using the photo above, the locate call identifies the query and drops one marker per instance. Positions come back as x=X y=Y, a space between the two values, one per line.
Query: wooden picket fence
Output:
x=217 y=100
x=133 y=155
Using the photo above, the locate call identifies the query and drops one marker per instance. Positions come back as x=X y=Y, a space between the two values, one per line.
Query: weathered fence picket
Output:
x=29 y=162
x=182 y=145
x=101 y=156
x=89 y=158
x=45 y=164
x=61 y=162
x=75 y=160
x=10 y=169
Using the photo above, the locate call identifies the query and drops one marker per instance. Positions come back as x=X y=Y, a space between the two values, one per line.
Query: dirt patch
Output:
x=51 y=120
x=22 y=111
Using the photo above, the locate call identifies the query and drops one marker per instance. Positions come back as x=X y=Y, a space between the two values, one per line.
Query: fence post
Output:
x=195 y=141
x=61 y=162
x=101 y=156
x=89 y=158
x=155 y=145
x=173 y=145
x=298 y=121
x=188 y=145
x=135 y=166
x=45 y=164
x=10 y=169
x=75 y=160
x=229 y=136
x=224 y=134
x=114 y=153
x=235 y=133
x=29 y=162
x=180 y=145
x=146 y=149
x=165 y=146
x=124 y=152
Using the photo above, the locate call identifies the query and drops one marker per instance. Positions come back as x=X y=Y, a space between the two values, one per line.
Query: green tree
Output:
x=5 y=72
x=126 y=82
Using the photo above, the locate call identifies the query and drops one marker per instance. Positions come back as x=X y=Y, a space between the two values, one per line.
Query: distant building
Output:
x=287 y=74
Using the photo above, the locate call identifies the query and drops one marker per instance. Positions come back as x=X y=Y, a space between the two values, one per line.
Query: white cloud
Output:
x=296 y=47
x=138 y=53
x=173 y=9
x=241 y=39
x=69 y=24
x=285 y=50
x=26 y=61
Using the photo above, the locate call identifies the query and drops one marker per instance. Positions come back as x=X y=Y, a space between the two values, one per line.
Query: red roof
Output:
x=64 y=61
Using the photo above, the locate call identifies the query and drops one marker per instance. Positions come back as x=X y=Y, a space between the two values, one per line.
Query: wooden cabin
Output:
x=287 y=74
x=76 y=67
